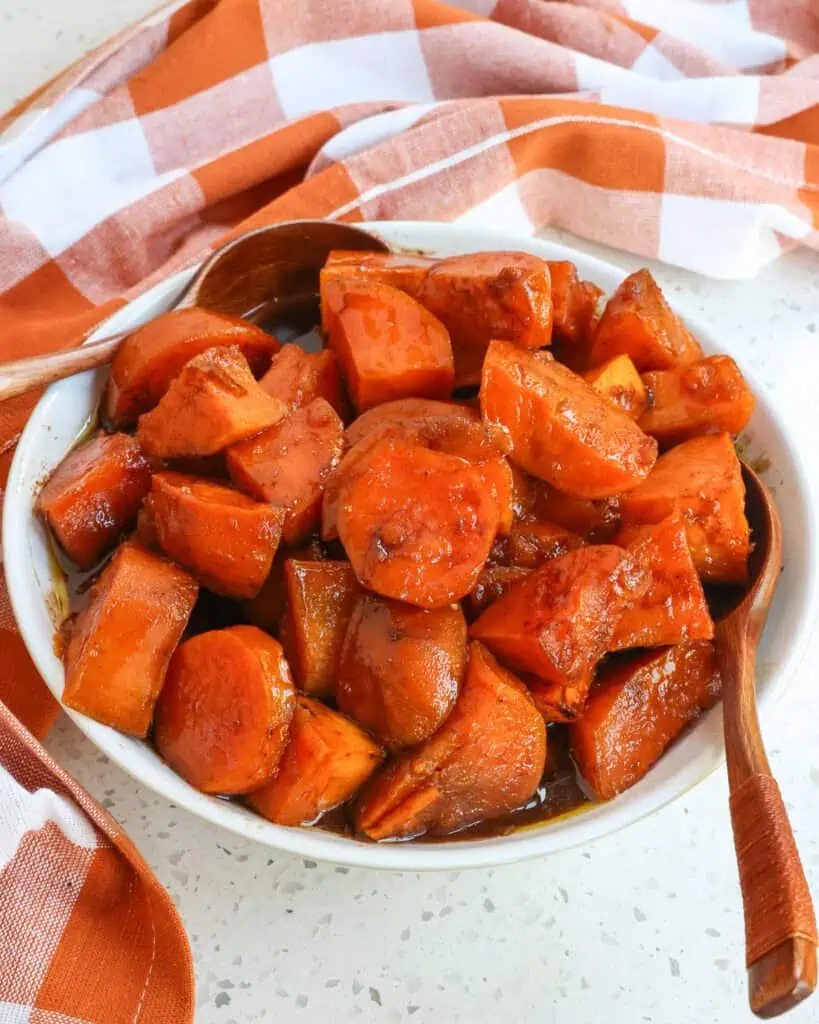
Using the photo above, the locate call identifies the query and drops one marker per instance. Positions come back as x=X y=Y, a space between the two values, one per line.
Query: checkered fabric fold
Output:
x=684 y=130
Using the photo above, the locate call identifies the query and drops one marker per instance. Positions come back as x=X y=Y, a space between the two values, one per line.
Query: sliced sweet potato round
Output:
x=401 y=668
x=416 y=525
x=223 y=716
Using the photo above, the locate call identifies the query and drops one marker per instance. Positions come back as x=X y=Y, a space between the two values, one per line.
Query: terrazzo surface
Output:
x=644 y=926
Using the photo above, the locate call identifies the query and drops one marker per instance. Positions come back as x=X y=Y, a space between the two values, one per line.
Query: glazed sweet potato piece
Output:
x=265 y=610
x=326 y=761
x=213 y=403
x=673 y=607
x=148 y=360
x=485 y=760
x=559 y=429
x=416 y=525
x=402 y=271
x=574 y=303
x=289 y=464
x=401 y=668
x=320 y=601
x=118 y=654
x=637 y=708
x=704 y=397
x=638 y=322
x=701 y=480
x=596 y=521
x=389 y=346
x=619 y=383
x=530 y=543
x=223 y=717
x=493 y=583
x=94 y=495
x=297 y=378
x=558 y=622
x=224 y=538
x=489 y=295
x=442 y=427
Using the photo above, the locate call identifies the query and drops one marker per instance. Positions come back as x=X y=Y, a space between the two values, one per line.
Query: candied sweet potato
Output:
x=558 y=621
x=118 y=654
x=532 y=542
x=297 y=377
x=619 y=383
x=700 y=479
x=673 y=607
x=493 y=582
x=596 y=521
x=388 y=344
x=213 y=403
x=442 y=427
x=704 y=397
x=289 y=464
x=224 y=538
x=416 y=525
x=320 y=601
x=638 y=322
x=559 y=429
x=94 y=495
x=148 y=360
x=558 y=702
x=637 y=708
x=400 y=271
x=326 y=761
x=485 y=760
x=223 y=717
x=265 y=610
x=401 y=668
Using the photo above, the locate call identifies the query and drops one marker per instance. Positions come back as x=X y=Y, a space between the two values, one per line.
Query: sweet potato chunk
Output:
x=326 y=761
x=401 y=668
x=619 y=383
x=573 y=308
x=530 y=543
x=701 y=480
x=213 y=403
x=558 y=621
x=704 y=397
x=673 y=607
x=265 y=610
x=289 y=464
x=442 y=427
x=224 y=538
x=416 y=525
x=223 y=717
x=559 y=429
x=389 y=346
x=94 y=495
x=148 y=360
x=637 y=708
x=489 y=295
x=320 y=600
x=485 y=760
x=297 y=378
x=493 y=583
x=122 y=641
x=596 y=521
x=638 y=322
x=404 y=272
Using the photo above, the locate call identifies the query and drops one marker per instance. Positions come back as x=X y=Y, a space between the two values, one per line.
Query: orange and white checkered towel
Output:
x=685 y=130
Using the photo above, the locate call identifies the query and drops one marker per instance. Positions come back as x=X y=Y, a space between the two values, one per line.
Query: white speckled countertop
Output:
x=643 y=926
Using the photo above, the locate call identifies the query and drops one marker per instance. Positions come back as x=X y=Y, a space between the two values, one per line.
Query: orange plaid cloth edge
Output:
x=686 y=131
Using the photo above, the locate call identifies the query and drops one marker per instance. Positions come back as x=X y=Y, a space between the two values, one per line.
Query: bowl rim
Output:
x=551 y=837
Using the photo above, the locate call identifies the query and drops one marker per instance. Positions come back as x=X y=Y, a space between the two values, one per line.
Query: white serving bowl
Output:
x=66 y=407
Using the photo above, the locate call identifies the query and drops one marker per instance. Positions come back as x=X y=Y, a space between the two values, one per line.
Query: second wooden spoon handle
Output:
x=27 y=374
x=780 y=927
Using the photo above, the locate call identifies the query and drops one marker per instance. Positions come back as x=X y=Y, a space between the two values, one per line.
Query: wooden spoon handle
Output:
x=780 y=927
x=27 y=374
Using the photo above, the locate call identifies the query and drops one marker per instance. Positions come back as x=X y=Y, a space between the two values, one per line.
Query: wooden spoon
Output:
x=261 y=275
x=780 y=928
